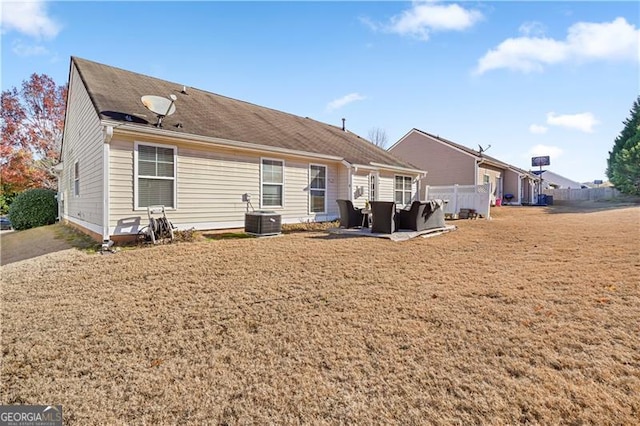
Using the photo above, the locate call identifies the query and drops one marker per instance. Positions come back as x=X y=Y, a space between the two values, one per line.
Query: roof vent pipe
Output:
x=344 y=129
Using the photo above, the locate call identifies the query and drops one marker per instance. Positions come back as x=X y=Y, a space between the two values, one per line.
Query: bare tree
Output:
x=378 y=137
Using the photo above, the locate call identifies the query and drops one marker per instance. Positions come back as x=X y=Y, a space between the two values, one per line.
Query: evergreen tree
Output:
x=623 y=164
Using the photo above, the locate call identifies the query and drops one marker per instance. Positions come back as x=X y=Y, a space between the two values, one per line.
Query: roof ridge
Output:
x=112 y=90
x=210 y=93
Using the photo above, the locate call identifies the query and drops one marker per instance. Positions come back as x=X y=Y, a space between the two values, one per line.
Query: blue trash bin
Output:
x=542 y=199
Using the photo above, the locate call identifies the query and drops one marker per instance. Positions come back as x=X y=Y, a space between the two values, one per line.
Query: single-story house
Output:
x=200 y=162
x=556 y=181
x=450 y=163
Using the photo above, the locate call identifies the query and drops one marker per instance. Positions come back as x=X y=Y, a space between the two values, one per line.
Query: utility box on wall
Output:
x=262 y=223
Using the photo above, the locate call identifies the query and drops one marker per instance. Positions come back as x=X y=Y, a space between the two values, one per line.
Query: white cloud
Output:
x=609 y=40
x=425 y=17
x=29 y=18
x=543 y=150
x=583 y=122
x=22 y=49
x=537 y=129
x=347 y=99
x=615 y=40
x=532 y=28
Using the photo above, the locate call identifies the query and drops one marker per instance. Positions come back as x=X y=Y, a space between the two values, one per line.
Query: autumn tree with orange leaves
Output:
x=32 y=120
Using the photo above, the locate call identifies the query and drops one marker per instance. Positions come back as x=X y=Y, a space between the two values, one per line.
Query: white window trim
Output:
x=136 y=144
x=271 y=183
x=76 y=179
x=326 y=179
x=412 y=192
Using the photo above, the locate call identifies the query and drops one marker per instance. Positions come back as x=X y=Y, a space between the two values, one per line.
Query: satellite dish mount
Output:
x=483 y=149
x=160 y=106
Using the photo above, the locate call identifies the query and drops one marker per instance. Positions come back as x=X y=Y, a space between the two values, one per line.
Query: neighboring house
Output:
x=552 y=180
x=449 y=163
x=199 y=164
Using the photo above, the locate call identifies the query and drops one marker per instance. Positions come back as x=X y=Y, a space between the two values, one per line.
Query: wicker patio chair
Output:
x=383 y=217
x=350 y=217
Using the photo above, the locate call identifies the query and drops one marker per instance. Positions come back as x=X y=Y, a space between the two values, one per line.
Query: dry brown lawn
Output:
x=533 y=317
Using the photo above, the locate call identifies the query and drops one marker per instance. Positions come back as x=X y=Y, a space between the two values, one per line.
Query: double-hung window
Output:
x=317 y=188
x=403 y=190
x=272 y=183
x=155 y=175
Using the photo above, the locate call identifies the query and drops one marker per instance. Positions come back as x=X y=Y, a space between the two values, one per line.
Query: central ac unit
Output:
x=262 y=223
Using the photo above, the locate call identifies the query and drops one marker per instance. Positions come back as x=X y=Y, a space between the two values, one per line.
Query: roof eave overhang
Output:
x=135 y=130
x=397 y=168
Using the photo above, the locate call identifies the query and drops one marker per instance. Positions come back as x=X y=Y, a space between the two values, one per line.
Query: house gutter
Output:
x=171 y=136
x=106 y=149
x=397 y=168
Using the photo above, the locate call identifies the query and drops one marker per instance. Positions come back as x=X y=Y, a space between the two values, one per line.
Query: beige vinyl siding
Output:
x=444 y=164
x=343 y=182
x=210 y=185
x=511 y=184
x=360 y=181
x=387 y=186
x=493 y=173
x=83 y=142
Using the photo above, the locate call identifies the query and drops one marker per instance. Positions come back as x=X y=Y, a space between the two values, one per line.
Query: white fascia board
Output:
x=134 y=130
x=378 y=166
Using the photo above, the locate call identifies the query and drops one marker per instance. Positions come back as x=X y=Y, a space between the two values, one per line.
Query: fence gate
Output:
x=477 y=197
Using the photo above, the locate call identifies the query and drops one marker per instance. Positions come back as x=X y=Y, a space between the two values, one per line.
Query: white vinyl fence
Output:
x=477 y=197
x=571 y=194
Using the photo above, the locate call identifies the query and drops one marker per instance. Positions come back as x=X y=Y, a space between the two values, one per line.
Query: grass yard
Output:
x=533 y=317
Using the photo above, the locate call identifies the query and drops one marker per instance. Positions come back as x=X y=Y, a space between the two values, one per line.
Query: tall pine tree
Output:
x=623 y=164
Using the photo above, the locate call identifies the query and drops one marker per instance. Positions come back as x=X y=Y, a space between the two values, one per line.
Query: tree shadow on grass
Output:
x=564 y=207
x=35 y=242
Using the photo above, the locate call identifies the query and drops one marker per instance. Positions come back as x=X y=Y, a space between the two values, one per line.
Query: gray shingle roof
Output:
x=116 y=93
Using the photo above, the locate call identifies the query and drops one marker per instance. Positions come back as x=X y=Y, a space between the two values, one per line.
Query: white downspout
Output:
x=108 y=134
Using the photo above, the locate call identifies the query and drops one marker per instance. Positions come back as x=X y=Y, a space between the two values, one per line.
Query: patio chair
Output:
x=383 y=217
x=422 y=215
x=350 y=217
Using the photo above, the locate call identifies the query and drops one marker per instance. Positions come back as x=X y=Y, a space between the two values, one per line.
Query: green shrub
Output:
x=32 y=208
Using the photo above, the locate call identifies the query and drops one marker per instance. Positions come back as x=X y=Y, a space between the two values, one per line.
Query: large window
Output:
x=403 y=190
x=317 y=188
x=76 y=179
x=272 y=183
x=156 y=175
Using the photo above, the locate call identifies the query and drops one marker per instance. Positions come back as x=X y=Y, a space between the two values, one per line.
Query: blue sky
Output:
x=527 y=78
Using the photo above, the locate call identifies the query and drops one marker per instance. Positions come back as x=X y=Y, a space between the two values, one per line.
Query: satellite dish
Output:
x=483 y=149
x=160 y=106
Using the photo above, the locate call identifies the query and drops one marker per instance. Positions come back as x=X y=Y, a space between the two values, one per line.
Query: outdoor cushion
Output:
x=422 y=215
